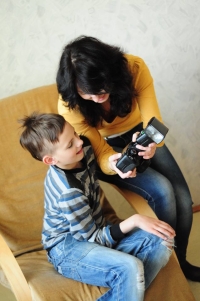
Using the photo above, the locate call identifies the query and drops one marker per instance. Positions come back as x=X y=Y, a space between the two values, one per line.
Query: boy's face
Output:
x=68 y=152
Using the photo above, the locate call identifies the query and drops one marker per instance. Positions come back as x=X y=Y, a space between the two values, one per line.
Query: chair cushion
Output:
x=46 y=284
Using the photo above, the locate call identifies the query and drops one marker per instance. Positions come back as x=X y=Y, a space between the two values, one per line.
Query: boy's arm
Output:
x=85 y=223
x=149 y=224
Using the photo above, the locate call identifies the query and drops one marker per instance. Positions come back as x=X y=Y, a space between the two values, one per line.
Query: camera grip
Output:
x=125 y=164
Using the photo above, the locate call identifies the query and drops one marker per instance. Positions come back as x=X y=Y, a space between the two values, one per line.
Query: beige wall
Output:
x=165 y=33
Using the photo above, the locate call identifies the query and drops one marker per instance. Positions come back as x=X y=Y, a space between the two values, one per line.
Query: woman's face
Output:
x=99 y=98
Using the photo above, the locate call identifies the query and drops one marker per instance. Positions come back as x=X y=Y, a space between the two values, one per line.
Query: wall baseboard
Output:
x=196 y=208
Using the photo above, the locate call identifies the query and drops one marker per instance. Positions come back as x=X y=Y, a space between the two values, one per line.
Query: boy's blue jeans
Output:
x=127 y=269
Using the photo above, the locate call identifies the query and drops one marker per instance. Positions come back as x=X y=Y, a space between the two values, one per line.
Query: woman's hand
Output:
x=113 y=161
x=147 y=152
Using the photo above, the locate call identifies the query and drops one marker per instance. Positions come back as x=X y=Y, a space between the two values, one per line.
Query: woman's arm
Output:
x=146 y=96
x=146 y=99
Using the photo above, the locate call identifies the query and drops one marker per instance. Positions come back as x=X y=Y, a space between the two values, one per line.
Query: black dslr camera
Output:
x=155 y=131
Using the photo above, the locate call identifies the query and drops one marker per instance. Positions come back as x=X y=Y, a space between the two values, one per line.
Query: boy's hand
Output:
x=154 y=226
x=149 y=224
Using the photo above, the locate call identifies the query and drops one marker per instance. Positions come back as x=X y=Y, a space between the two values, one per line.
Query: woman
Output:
x=108 y=96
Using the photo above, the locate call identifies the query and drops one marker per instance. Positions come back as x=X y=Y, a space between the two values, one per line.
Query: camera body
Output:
x=155 y=131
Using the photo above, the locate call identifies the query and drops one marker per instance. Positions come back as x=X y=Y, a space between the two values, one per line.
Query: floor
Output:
x=124 y=210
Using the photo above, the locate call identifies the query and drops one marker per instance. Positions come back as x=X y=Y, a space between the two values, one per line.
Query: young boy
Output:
x=80 y=243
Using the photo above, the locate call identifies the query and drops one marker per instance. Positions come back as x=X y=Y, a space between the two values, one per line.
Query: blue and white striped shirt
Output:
x=72 y=204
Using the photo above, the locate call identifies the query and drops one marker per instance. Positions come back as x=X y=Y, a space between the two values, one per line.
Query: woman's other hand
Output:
x=147 y=152
x=113 y=161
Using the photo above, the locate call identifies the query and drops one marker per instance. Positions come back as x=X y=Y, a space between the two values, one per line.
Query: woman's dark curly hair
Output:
x=94 y=66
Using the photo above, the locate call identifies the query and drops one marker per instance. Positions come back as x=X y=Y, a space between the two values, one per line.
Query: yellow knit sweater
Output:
x=144 y=107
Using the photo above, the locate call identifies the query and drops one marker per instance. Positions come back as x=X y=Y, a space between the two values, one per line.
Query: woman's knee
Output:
x=163 y=202
x=162 y=189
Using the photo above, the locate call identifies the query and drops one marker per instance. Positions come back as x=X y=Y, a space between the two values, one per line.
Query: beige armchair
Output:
x=23 y=264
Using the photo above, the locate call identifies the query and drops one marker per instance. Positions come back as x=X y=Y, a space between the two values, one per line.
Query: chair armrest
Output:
x=13 y=273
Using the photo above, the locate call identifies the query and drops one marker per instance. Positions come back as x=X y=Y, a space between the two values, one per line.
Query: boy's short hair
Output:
x=40 y=132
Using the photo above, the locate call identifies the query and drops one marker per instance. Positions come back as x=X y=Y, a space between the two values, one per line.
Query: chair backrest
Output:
x=21 y=176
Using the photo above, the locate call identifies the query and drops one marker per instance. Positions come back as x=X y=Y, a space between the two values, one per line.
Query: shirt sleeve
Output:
x=116 y=232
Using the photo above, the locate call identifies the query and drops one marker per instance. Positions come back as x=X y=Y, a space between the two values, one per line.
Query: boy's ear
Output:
x=49 y=160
